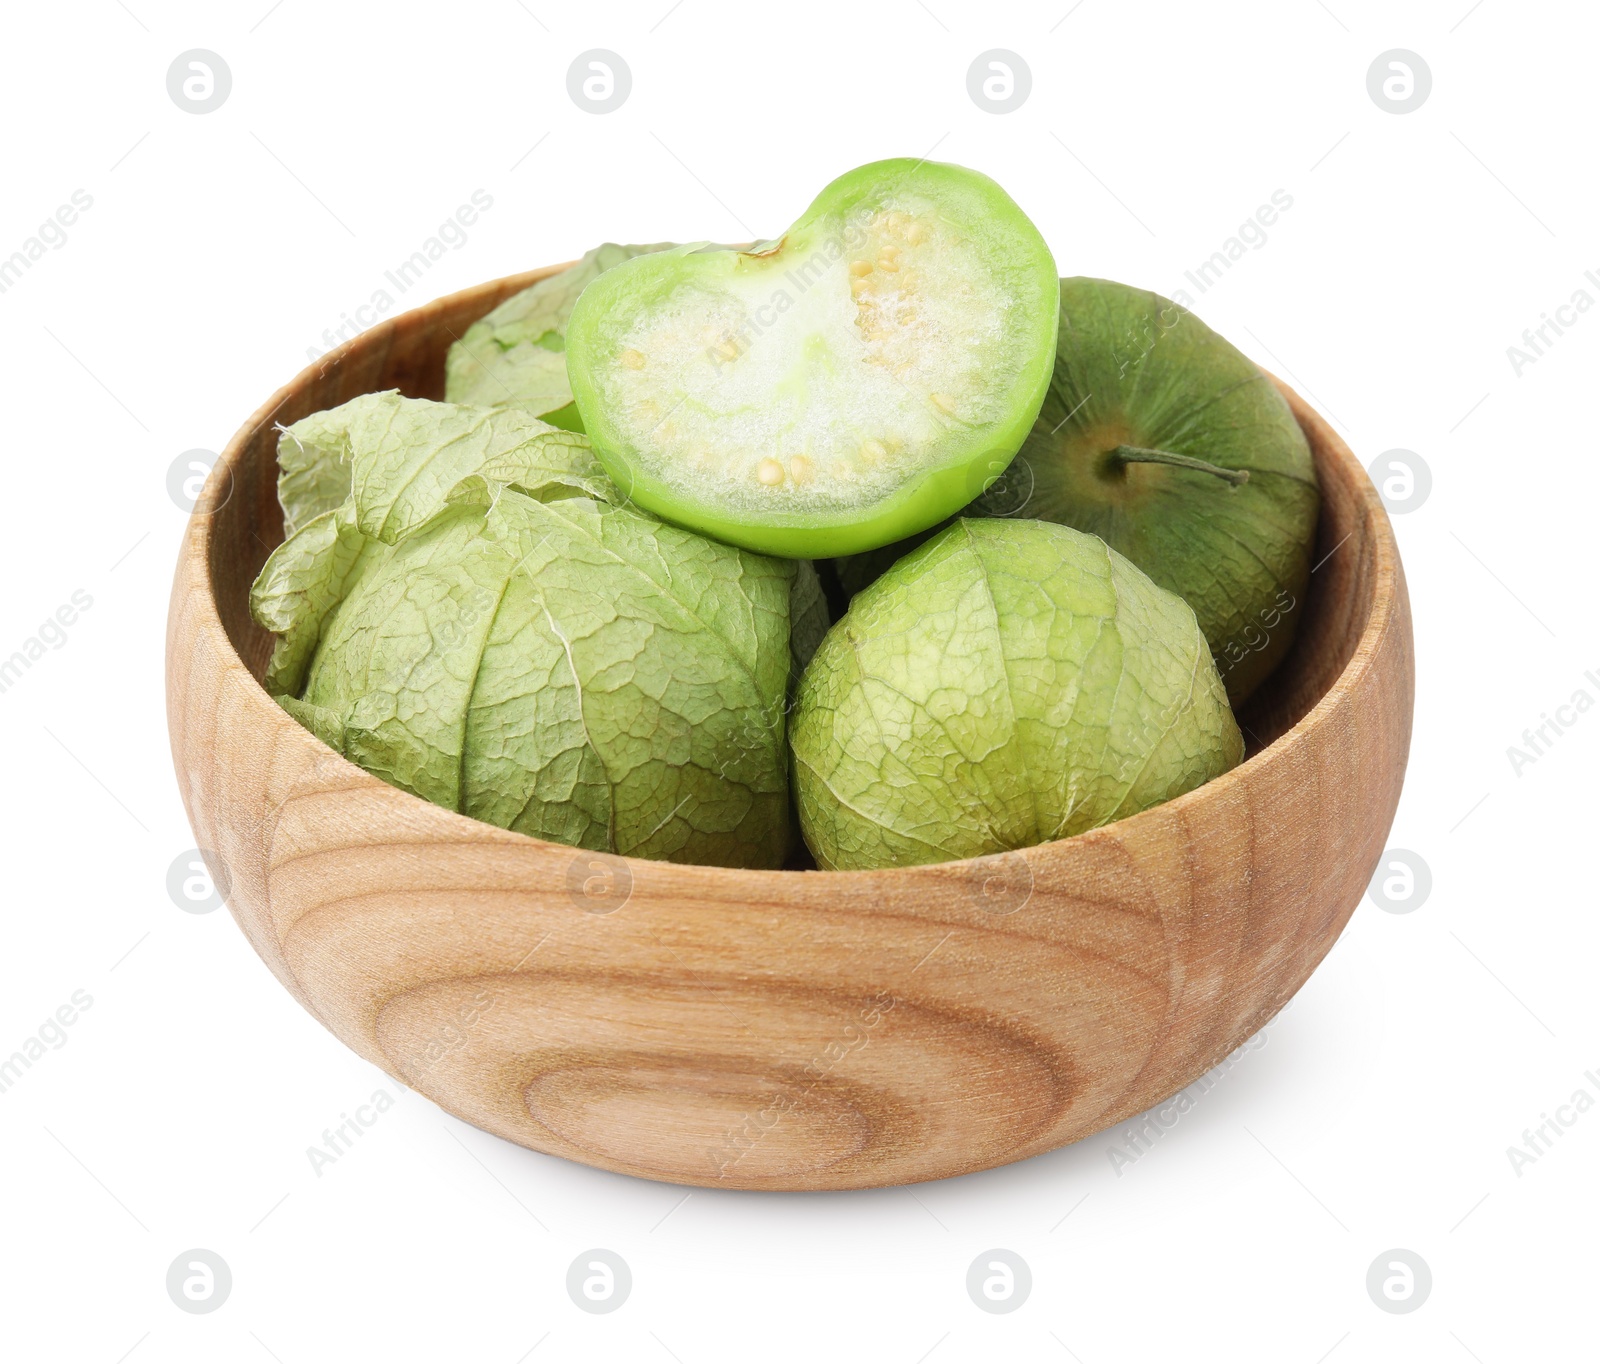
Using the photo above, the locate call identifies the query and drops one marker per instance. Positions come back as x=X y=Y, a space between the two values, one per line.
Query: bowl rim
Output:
x=195 y=566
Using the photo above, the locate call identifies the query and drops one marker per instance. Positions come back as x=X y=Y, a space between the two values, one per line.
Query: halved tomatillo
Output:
x=853 y=382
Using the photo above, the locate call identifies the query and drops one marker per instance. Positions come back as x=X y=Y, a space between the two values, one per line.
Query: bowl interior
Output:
x=408 y=352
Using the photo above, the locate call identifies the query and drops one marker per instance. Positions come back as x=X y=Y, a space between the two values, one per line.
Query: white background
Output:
x=1376 y=1113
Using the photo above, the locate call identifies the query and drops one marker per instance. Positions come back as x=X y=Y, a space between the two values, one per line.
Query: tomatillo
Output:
x=1008 y=683
x=1169 y=443
x=853 y=382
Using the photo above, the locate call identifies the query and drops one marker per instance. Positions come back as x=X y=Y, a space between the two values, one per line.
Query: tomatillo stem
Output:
x=1137 y=454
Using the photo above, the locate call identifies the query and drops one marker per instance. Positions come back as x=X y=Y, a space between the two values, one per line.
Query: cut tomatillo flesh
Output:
x=1172 y=446
x=852 y=382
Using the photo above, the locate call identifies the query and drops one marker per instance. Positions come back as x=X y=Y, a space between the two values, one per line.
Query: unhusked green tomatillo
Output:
x=1171 y=445
x=515 y=355
x=1008 y=683
x=463 y=609
x=852 y=382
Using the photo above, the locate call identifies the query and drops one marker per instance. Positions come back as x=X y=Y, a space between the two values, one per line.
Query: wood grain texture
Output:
x=793 y=1029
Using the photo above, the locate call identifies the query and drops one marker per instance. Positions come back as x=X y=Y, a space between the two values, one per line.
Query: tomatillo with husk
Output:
x=1007 y=683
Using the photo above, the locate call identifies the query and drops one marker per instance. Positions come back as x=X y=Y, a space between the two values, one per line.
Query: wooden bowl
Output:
x=790 y=1029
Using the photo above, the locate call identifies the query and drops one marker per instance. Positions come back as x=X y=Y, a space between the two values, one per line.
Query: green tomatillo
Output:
x=852 y=382
x=1171 y=445
x=464 y=609
x=1008 y=683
